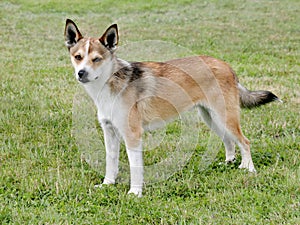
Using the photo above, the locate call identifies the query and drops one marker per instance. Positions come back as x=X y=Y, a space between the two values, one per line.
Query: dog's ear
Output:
x=110 y=38
x=72 y=34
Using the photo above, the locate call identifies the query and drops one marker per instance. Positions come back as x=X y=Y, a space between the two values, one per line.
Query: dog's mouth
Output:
x=85 y=79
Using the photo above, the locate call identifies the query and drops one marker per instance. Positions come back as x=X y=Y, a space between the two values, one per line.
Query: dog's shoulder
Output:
x=129 y=74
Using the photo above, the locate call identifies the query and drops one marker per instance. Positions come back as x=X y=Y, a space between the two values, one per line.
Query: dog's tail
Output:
x=251 y=99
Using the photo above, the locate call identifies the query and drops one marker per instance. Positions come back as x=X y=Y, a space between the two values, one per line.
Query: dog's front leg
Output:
x=135 y=156
x=112 y=146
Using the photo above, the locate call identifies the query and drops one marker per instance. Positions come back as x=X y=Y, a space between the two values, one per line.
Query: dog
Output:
x=132 y=97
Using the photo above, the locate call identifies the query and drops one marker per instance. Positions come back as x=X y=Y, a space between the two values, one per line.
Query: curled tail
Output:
x=251 y=99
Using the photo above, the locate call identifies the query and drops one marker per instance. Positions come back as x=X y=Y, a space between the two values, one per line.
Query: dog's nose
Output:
x=82 y=73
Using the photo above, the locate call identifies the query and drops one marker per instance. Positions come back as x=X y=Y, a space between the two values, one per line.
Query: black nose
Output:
x=82 y=73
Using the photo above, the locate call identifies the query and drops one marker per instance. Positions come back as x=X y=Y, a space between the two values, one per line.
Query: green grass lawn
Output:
x=45 y=177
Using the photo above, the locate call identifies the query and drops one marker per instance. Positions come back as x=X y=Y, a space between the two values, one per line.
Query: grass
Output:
x=44 y=176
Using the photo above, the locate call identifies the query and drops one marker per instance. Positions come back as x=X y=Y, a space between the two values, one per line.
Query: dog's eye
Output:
x=97 y=59
x=78 y=57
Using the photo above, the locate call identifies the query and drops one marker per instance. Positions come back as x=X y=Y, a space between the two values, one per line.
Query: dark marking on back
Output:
x=130 y=73
x=123 y=73
x=137 y=72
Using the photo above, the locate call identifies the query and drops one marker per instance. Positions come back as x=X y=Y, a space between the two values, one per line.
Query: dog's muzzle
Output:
x=83 y=76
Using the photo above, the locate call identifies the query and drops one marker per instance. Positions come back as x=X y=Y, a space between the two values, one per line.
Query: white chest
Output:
x=110 y=107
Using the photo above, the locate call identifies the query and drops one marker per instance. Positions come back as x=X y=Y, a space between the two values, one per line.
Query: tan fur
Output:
x=178 y=85
x=96 y=50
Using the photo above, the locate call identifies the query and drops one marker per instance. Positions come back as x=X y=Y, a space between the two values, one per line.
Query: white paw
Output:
x=230 y=160
x=101 y=185
x=249 y=166
x=106 y=182
x=98 y=186
x=252 y=170
x=136 y=191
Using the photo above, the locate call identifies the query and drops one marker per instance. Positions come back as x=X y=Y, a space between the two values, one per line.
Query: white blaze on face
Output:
x=83 y=65
x=86 y=57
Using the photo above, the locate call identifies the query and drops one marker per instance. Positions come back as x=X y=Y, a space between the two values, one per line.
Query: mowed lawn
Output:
x=45 y=176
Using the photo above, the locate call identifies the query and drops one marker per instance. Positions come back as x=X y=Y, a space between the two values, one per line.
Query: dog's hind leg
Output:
x=227 y=126
x=246 y=163
x=234 y=131
x=229 y=118
x=220 y=130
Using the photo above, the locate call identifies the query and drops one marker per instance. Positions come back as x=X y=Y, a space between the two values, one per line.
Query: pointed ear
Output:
x=72 y=34
x=110 y=38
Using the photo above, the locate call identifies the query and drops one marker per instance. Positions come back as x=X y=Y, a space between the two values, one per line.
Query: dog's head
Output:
x=91 y=57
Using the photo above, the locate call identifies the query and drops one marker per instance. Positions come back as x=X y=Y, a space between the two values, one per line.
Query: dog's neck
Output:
x=120 y=64
x=95 y=88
